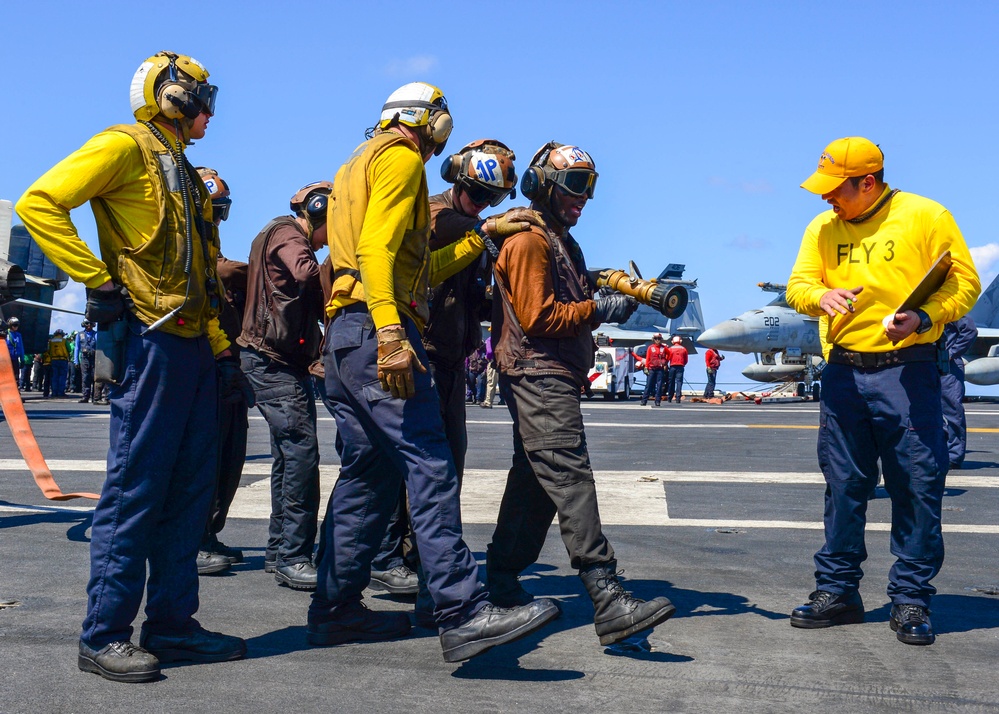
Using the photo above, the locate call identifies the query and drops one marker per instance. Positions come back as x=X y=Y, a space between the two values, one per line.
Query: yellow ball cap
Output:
x=843 y=159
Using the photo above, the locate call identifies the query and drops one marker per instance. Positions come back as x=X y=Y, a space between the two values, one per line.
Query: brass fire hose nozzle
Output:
x=670 y=300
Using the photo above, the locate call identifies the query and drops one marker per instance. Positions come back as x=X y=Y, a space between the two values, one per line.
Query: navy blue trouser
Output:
x=154 y=503
x=675 y=385
x=654 y=383
x=60 y=373
x=952 y=391
x=87 y=369
x=386 y=441
x=450 y=384
x=233 y=429
x=286 y=401
x=709 y=386
x=892 y=415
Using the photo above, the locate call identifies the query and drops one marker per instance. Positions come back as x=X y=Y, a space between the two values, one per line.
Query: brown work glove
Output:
x=396 y=359
x=516 y=220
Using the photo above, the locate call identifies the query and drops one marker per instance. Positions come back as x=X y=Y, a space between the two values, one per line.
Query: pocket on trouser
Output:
x=836 y=454
x=553 y=440
x=926 y=449
x=373 y=391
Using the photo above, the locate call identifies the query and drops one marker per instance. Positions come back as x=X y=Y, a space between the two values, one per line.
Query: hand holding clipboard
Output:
x=931 y=282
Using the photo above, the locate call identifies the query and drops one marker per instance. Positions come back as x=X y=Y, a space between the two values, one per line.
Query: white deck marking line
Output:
x=626 y=497
x=263 y=468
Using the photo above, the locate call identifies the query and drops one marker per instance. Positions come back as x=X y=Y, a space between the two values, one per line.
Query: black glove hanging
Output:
x=615 y=308
x=233 y=384
x=105 y=306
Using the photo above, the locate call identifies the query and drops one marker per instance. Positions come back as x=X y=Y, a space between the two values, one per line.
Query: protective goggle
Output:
x=220 y=208
x=576 y=181
x=482 y=195
x=206 y=94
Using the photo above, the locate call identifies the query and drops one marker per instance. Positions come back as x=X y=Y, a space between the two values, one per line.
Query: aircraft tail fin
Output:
x=985 y=313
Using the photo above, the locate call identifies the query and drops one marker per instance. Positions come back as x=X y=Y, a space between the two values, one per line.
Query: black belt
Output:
x=877 y=360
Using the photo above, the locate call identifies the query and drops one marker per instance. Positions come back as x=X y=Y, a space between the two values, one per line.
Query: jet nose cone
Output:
x=728 y=335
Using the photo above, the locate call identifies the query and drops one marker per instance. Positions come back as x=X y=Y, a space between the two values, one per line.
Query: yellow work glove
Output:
x=396 y=359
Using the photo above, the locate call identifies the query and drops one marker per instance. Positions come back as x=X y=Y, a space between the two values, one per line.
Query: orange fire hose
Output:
x=13 y=409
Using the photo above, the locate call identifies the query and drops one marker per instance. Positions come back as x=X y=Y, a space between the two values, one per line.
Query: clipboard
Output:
x=931 y=282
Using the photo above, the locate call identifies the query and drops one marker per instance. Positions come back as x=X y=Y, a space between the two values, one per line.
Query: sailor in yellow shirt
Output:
x=881 y=388
x=157 y=240
x=58 y=363
x=386 y=409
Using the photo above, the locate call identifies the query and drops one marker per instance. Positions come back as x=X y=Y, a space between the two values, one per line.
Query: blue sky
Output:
x=703 y=117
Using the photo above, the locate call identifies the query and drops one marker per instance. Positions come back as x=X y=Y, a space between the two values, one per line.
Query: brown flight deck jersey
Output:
x=551 y=299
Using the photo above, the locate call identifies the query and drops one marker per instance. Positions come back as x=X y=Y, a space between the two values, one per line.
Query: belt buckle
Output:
x=855 y=359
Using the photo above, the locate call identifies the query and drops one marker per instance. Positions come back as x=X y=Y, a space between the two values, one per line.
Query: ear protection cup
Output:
x=440 y=127
x=174 y=101
x=535 y=175
x=452 y=166
x=315 y=209
x=531 y=183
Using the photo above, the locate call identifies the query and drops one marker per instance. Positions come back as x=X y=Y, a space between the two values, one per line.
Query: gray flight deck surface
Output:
x=717 y=507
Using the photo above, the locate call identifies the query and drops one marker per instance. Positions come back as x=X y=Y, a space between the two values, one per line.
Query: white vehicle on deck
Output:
x=612 y=370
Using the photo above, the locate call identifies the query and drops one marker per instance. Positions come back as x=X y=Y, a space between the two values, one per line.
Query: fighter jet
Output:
x=28 y=282
x=982 y=360
x=786 y=343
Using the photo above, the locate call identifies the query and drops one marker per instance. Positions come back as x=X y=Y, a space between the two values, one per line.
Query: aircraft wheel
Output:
x=816 y=392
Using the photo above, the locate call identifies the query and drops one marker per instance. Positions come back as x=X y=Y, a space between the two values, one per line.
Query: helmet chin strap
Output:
x=183 y=128
x=554 y=211
x=427 y=144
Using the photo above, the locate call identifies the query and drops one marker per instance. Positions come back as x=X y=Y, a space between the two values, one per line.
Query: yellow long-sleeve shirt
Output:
x=887 y=254
x=108 y=166
x=394 y=181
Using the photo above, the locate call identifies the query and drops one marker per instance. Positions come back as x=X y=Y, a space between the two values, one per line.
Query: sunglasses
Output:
x=482 y=195
x=576 y=181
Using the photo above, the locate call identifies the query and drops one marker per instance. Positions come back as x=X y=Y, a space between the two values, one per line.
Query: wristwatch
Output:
x=925 y=323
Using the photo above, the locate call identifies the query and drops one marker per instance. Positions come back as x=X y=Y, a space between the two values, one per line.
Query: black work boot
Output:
x=619 y=615
x=353 y=622
x=210 y=543
x=825 y=609
x=211 y=563
x=198 y=646
x=397 y=581
x=120 y=662
x=492 y=626
x=911 y=624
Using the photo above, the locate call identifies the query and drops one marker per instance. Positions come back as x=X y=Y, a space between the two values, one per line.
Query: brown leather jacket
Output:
x=283 y=296
x=232 y=273
x=546 y=308
x=453 y=330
